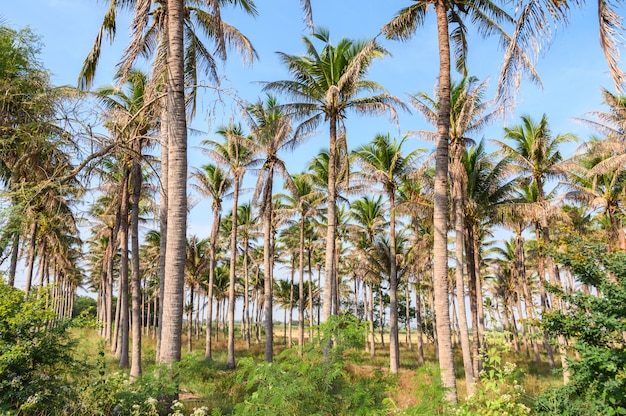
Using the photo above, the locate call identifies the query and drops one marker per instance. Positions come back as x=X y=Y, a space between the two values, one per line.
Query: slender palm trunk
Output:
x=122 y=351
x=162 y=225
x=418 y=322
x=268 y=266
x=230 y=360
x=246 y=297
x=329 y=270
x=173 y=292
x=135 y=368
x=301 y=284
x=457 y=184
x=31 y=257
x=208 y=351
x=440 y=215
x=394 y=345
x=372 y=335
x=15 y=249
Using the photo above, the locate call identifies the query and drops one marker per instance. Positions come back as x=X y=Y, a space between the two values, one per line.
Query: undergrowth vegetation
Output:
x=48 y=367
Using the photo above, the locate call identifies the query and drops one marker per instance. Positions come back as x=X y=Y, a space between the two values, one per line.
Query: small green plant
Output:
x=316 y=382
x=499 y=392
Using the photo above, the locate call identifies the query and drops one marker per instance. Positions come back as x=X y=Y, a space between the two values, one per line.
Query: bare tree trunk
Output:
x=173 y=293
x=31 y=257
x=329 y=270
x=123 y=292
x=268 y=266
x=440 y=215
x=418 y=322
x=15 y=249
x=135 y=368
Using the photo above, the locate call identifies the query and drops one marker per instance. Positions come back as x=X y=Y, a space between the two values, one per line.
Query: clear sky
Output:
x=573 y=70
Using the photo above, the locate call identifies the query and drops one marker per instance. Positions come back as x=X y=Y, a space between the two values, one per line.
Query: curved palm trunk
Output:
x=394 y=347
x=329 y=270
x=230 y=360
x=135 y=367
x=440 y=215
x=268 y=265
x=457 y=184
x=171 y=334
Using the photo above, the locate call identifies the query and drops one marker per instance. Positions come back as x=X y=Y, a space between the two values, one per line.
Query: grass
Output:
x=205 y=382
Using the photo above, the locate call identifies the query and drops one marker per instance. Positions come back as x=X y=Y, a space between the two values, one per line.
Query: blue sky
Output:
x=573 y=70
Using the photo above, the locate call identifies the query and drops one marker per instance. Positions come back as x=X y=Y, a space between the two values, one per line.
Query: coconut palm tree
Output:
x=212 y=182
x=325 y=86
x=468 y=114
x=488 y=17
x=600 y=191
x=368 y=215
x=271 y=132
x=300 y=199
x=133 y=118
x=383 y=162
x=236 y=158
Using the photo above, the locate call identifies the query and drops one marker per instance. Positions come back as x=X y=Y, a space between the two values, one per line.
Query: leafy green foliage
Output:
x=35 y=354
x=597 y=326
x=498 y=392
x=430 y=393
x=316 y=383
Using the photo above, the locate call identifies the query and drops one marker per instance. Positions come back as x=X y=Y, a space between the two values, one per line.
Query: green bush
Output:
x=316 y=383
x=596 y=325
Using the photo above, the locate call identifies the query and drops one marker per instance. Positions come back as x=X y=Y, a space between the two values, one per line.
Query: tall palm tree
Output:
x=488 y=17
x=212 y=181
x=325 y=86
x=383 y=162
x=536 y=153
x=271 y=132
x=236 y=157
x=468 y=114
x=600 y=190
x=134 y=114
x=367 y=212
x=171 y=29
x=300 y=199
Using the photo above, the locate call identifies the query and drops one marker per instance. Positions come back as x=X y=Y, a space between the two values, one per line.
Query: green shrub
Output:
x=596 y=325
x=316 y=383
x=36 y=363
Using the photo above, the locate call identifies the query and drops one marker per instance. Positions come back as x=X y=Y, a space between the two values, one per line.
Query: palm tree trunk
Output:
x=230 y=360
x=208 y=351
x=162 y=226
x=246 y=294
x=329 y=269
x=407 y=312
x=135 y=368
x=122 y=351
x=15 y=249
x=31 y=257
x=418 y=322
x=171 y=334
x=440 y=215
x=372 y=335
x=394 y=345
x=301 y=285
x=457 y=184
x=268 y=266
